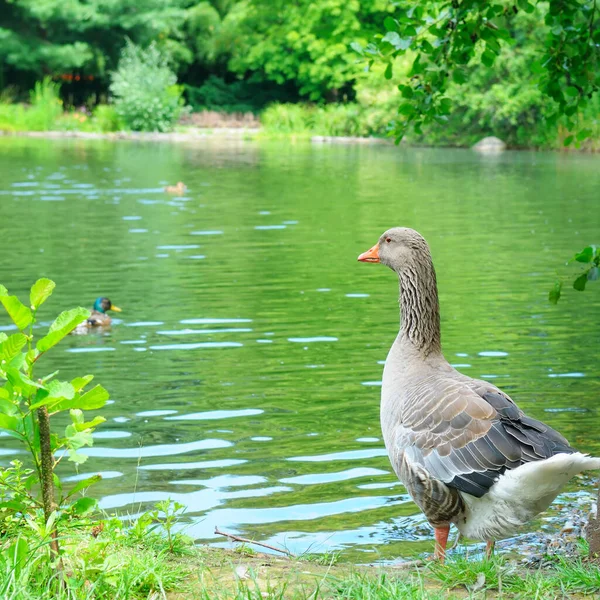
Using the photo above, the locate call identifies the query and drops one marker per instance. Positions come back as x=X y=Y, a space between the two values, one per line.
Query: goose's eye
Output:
x=388 y=240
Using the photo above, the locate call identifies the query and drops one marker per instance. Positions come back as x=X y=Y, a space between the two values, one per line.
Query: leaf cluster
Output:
x=145 y=90
x=590 y=257
x=445 y=38
x=24 y=394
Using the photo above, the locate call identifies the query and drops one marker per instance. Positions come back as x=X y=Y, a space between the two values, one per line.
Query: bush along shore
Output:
x=56 y=544
x=370 y=119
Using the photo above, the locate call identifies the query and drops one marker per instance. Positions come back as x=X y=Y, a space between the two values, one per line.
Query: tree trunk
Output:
x=593 y=533
x=47 y=482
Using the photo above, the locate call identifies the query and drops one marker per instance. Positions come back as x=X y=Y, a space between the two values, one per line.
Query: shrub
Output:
x=352 y=119
x=107 y=119
x=145 y=93
x=46 y=106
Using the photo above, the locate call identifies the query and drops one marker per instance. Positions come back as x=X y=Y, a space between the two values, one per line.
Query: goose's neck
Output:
x=419 y=308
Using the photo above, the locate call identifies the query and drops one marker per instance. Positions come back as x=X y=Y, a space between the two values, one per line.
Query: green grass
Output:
x=135 y=563
x=566 y=578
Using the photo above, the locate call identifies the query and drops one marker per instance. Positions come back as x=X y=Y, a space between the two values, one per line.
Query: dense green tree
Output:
x=446 y=37
x=40 y=37
x=305 y=41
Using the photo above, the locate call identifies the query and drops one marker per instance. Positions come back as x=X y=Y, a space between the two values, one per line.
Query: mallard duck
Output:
x=466 y=453
x=98 y=317
x=176 y=189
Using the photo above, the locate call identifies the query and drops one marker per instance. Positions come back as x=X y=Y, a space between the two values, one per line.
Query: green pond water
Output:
x=245 y=367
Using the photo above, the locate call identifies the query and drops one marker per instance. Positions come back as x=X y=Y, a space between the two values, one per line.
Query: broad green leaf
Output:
x=9 y=423
x=393 y=38
x=488 y=58
x=406 y=91
x=554 y=294
x=12 y=345
x=76 y=416
x=40 y=292
x=579 y=283
x=586 y=255
x=12 y=504
x=390 y=24
x=388 y=71
x=583 y=134
x=82 y=485
x=80 y=433
x=17 y=555
x=572 y=91
x=93 y=399
x=18 y=312
x=3 y=291
x=60 y=389
x=7 y=407
x=357 y=48
x=20 y=381
x=77 y=458
x=568 y=140
x=80 y=382
x=84 y=505
x=458 y=76
x=62 y=326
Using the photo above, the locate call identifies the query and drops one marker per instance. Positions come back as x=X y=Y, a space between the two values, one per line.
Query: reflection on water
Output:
x=245 y=369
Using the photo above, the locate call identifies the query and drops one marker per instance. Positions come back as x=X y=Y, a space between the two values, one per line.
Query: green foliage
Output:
x=46 y=105
x=146 y=96
x=305 y=42
x=107 y=118
x=239 y=96
x=27 y=403
x=51 y=36
x=167 y=513
x=447 y=38
x=589 y=256
x=350 y=119
x=101 y=560
x=385 y=587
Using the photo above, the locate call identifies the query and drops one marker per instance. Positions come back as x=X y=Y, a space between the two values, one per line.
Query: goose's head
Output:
x=398 y=248
x=103 y=304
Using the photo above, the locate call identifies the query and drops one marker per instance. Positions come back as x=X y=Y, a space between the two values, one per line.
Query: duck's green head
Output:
x=103 y=304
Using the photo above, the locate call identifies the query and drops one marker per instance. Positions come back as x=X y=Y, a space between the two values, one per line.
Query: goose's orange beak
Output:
x=371 y=255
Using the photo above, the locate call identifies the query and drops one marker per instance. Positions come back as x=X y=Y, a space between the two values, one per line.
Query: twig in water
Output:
x=237 y=538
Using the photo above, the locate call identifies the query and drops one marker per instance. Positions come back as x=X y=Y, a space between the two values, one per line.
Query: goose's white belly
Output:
x=519 y=495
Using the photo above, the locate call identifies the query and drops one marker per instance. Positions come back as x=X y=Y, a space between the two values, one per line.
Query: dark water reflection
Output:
x=245 y=368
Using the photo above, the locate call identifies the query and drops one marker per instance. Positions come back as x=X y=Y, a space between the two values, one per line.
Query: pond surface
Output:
x=245 y=367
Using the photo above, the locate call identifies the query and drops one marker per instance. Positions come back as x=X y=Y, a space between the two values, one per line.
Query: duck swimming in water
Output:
x=98 y=317
x=179 y=189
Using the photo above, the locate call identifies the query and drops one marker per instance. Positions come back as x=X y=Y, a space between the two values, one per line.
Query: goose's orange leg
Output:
x=441 y=541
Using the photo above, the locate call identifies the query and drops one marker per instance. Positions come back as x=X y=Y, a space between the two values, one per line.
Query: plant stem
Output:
x=47 y=479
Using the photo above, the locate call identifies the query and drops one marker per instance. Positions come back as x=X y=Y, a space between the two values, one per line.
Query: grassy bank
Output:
x=107 y=559
x=371 y=115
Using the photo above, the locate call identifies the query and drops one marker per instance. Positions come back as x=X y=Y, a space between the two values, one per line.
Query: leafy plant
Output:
x=145 y=93
x=27 y=403
x=46 y=105
x=167 y=513
x=589 y=256
x=445 y=37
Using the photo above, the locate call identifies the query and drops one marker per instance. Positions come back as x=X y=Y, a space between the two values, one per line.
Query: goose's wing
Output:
x=468 y=433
